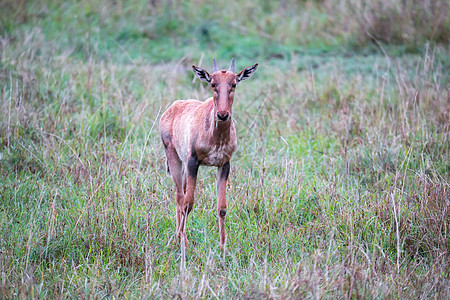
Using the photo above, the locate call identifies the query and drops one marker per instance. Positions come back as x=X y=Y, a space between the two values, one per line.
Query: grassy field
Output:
x=339 y=187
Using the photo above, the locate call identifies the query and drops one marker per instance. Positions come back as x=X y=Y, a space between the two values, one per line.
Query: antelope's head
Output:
x=223 y=84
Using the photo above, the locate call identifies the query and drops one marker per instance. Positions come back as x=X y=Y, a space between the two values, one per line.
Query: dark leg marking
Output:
x=225 y=171
x=189 y=208
x=193 y=164
x=222 y=213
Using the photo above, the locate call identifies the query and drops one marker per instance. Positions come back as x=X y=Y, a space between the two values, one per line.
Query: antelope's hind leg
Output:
x=189 y=179
x=176 y=171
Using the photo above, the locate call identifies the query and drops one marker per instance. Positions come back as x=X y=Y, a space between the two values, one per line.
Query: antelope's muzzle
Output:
x=222 y=116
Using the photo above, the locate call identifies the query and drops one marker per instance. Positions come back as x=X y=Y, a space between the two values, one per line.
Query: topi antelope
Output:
x=198 y=133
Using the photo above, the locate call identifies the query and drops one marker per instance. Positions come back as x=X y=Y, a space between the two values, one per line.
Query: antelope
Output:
x=198 y=133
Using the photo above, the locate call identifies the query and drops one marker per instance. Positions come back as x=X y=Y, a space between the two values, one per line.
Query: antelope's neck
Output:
x=216 y=143
x=220 y=132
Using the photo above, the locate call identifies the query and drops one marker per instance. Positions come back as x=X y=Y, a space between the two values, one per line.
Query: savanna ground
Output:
x=339 y=187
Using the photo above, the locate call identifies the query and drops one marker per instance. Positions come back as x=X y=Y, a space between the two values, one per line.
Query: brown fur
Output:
x=198 y=133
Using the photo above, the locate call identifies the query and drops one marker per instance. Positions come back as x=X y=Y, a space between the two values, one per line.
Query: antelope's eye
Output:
x=213 y=85
x=233 y=85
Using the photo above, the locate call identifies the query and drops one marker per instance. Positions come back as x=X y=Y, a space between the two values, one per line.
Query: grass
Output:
x=339 y=186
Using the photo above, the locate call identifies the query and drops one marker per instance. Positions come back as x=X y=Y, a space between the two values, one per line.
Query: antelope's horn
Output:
x=215 y=68
x=232 y=65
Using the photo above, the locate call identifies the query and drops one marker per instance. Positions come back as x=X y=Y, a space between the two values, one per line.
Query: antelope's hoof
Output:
x=175 y=239
x=178 y=240
x=223 y=249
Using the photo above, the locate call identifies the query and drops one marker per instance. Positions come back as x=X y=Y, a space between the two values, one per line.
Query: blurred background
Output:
x=157 y=31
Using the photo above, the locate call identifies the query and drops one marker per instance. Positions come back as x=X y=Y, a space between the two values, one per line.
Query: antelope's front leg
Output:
x=222 y=178
x=191 y=181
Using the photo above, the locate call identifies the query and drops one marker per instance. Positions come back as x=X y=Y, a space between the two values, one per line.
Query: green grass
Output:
x=339 y=186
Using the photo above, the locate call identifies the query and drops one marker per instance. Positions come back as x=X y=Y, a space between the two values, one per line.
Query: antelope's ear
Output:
x=246 y=73
x=202 y=74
